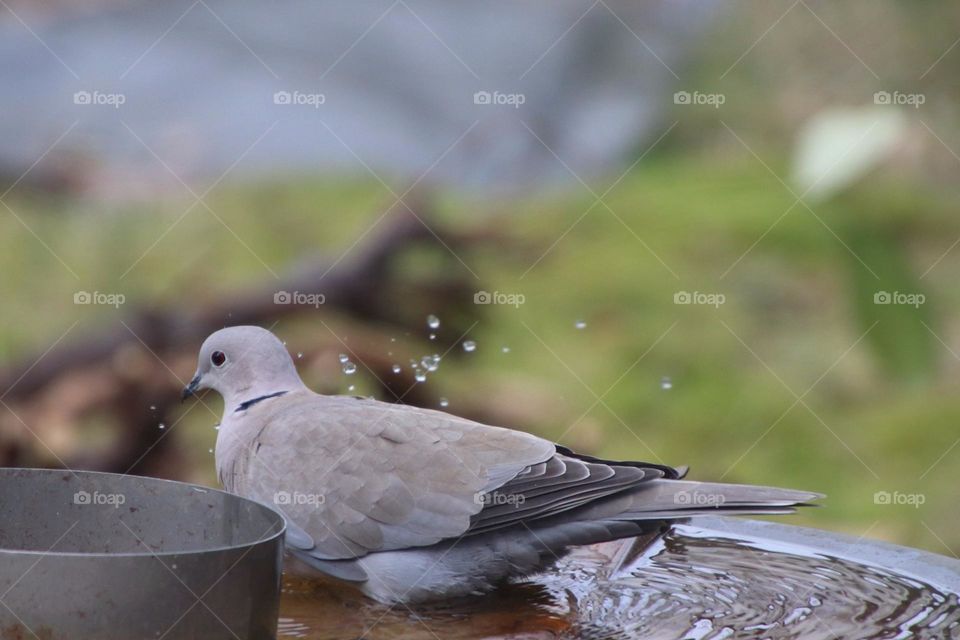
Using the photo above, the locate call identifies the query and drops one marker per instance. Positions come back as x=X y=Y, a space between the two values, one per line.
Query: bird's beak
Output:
x=191 y=388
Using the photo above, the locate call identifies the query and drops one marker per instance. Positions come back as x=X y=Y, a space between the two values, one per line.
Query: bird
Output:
x=412 y=505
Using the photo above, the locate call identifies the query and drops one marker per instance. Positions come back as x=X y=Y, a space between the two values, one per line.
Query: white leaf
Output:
x=839 y=146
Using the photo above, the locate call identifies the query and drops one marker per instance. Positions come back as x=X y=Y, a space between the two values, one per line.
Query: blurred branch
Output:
x=130 y=374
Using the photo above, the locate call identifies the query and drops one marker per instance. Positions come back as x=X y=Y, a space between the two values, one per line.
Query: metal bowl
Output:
x=107 y=556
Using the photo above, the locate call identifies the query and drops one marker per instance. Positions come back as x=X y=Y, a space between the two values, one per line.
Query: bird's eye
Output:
x=218 y=358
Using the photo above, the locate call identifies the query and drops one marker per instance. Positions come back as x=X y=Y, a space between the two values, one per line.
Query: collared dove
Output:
x=410 y=504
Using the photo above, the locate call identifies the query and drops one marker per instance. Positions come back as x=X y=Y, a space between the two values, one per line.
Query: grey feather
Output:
x=295 y=537
x=348 y=570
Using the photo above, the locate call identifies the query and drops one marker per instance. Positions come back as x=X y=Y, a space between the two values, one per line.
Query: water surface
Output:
x=691 y=583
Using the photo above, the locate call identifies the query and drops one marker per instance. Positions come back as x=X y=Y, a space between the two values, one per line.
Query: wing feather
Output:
x=566 y=483
x=381 y=476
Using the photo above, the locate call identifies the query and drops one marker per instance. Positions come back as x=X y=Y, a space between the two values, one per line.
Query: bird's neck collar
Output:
x=246 y=404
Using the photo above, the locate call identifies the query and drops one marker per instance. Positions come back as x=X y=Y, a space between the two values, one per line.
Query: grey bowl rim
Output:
x=149 y=553
x=929 y=567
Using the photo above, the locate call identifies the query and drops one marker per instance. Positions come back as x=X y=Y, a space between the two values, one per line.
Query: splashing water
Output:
x=469 y=345
x=430 y=363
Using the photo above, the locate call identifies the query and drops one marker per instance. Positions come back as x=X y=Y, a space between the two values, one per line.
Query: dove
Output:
x=410 y=505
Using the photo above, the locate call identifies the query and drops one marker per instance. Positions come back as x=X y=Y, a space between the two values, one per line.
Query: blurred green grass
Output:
x=878 y=409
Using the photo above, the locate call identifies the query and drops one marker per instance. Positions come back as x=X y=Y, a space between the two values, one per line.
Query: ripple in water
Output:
x=689 y=584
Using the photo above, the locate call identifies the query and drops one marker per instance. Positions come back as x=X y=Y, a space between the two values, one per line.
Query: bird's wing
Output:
x=358 y=476
x=564 y=482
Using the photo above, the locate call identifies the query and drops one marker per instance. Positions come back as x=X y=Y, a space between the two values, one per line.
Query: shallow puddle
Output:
x=691 y=583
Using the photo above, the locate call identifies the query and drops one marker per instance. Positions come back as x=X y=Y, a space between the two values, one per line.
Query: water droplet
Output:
x=349 y=368
x=666 y=383
x=162 y=426
x=420 y=376
x=153 y=407
x=469 y=345
x=210 y=450
x=433 y=336
x=393 y=339
x=216 y=427
x=299 y=354
x=433 y=321
x=344 y=358
x=444 y=402
x=350 y=388
x=430 y=363
x=580 y=324
x=505 y=349
x=396 y=368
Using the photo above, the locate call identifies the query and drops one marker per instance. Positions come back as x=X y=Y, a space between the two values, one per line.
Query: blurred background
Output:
x=715 y=234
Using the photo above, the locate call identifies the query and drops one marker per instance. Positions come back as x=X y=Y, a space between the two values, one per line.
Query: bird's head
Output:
x=243 y=362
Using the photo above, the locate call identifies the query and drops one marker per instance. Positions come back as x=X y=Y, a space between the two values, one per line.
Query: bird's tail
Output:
x=675 y=499
x=648 y=508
